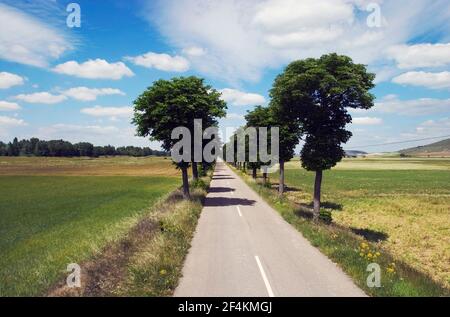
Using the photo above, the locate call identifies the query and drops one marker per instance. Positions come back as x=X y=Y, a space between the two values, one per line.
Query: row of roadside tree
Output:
x=310 y=102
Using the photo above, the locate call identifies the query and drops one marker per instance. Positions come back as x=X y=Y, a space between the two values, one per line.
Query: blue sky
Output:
x=79 y=83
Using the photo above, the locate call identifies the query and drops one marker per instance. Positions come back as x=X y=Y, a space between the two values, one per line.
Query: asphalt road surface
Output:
x=243 y=248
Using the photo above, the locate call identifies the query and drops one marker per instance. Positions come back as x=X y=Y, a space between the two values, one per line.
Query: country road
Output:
x=243 y=248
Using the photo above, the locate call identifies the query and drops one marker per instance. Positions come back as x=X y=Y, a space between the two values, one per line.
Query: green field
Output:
x=47 y=222
x=402 y=203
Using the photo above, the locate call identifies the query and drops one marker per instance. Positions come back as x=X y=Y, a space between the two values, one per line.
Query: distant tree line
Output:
x=61 y=148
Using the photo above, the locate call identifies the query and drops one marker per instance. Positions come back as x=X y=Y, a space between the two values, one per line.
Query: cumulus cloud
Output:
x=163 y=62
x=41 y=97
x=90 y=94
x=234 y=116
x=239 y=98
x=111 y=112
x=414 y=107
x=8 y=106
x=420 y=55
x=367 y=121
x=244 y=38
x=11 y=122
x=8 y=80
x=439 y=127
x=96 y=134
x=194 y=51
x=94 y=69
x=28 y=40
x=425 y=79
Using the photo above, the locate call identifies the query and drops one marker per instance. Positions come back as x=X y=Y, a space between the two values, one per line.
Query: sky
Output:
x=79 y=83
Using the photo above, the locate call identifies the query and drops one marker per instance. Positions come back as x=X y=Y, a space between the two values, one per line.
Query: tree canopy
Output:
x=170 y=104
x=321 y=91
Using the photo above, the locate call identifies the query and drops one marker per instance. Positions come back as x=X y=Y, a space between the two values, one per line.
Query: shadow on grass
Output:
x=370 y=235
x=287 y=189
x=325 y=205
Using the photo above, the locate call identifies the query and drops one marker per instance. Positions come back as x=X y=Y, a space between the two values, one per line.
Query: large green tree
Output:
x=321 y=91
x=169 y=104
x=284 y=115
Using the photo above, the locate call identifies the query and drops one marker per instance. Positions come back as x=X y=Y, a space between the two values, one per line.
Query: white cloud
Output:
x=111 y=112
x=292 y=23
x=8 y=80
x=27 y=40
x=367 y=121
x=41 y=97
x=429 y=80
x=94 y=69
x=414 y=107
x=434 y=128
x=90 y=94
x=194 y=51
x=239 y=98
x=420 y=55
x=96 y=134
x=245 y=38
x=8 y=106
x=234 y=116
x=162 y=62
x=11 y=122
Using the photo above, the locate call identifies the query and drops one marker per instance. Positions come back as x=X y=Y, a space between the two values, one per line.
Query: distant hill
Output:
x=441 y=148
x=354 y=153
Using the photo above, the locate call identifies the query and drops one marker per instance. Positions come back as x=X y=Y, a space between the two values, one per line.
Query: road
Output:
x=243 y=248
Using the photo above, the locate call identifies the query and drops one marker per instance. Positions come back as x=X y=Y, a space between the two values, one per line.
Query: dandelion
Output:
x=378 y=254
x=163 y=272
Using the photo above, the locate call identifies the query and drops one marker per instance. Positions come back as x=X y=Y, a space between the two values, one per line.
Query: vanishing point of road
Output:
x=243 y=248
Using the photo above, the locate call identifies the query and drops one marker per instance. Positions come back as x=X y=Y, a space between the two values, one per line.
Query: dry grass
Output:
x=104 y=166
x=404 y=201
x=148 y=260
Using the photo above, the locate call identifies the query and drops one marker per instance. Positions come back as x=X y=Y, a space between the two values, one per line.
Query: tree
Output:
x=284 y=115
x=170 y=104
x=84 y=149
x=322 y=90
x=259 y=117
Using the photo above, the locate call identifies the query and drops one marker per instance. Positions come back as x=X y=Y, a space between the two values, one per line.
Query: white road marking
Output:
x=239 y=211
x=263 y=274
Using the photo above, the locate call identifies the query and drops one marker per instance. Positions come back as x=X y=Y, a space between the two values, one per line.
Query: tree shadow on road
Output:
x=228 y=201
x=221 y=190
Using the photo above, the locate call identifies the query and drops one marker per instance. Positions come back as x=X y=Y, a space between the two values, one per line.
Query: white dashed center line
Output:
x=239 y=211
x=263 y=274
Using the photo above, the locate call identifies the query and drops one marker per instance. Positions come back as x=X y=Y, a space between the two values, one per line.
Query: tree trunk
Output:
x=317 y=186
x=254 y=173
x=265 y=178
x=281 y=182
x=194 y=171
x=184 y=172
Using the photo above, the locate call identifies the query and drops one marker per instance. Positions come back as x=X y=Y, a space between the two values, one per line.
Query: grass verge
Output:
x=351 y=252
x=149 y=260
